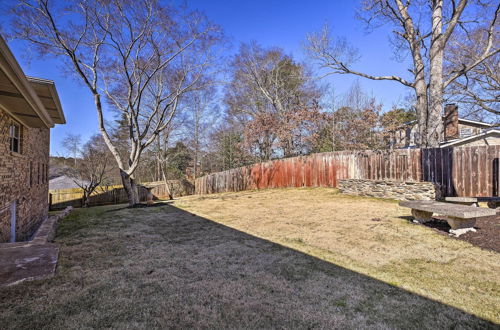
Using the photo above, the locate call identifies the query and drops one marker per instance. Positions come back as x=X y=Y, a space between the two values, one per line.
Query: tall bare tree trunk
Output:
x=167 y=187
x=434 y=119
x=85 y=199
x=421 y=106
x=130 y=188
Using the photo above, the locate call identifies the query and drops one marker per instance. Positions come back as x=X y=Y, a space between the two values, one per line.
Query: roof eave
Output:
x=13 y=71
x=55 y=97
x=481 y=135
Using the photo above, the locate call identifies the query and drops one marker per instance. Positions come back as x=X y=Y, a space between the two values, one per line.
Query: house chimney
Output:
x=451 y=122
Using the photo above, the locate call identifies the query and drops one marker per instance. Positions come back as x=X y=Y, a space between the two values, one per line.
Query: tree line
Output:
x=183 y=109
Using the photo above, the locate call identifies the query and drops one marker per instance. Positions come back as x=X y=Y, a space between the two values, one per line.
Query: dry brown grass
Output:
x=164 y=267
x=340 y=229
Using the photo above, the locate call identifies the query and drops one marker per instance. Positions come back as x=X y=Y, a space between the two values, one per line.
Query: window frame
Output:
x=15 y=139
x=466 y=132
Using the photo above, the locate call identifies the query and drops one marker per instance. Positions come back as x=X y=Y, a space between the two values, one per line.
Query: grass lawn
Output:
x=291 y=258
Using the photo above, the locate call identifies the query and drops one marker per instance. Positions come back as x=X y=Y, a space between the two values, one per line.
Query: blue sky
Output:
x=270 y=23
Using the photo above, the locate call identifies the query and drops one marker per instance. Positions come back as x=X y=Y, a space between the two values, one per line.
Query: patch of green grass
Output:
x=84 y=218
x=340 y=303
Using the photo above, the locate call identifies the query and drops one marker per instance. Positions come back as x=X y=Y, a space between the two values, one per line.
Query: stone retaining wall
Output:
x=390 y=189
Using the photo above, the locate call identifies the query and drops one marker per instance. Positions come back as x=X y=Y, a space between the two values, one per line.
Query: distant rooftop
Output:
x=62 y=182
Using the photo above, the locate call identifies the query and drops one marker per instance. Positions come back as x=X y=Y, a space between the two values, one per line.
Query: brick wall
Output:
x=23 y=177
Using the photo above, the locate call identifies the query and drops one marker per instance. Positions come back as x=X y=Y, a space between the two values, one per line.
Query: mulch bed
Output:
x=487 y=235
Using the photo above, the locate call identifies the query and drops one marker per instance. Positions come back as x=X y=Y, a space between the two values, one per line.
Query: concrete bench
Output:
x=471 y=201
x=459 y=217
x=493 y=202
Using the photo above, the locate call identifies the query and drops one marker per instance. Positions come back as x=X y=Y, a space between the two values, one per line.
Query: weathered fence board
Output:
x=61 y=198
x=317 y=170
x=463 y=171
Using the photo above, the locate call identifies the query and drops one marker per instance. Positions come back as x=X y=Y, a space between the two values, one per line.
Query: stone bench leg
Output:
x=421 y=216
x=459 y=223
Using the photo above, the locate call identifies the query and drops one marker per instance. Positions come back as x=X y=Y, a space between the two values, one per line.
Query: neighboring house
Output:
x=64 y=182
x=457 y=132
x=29 y=107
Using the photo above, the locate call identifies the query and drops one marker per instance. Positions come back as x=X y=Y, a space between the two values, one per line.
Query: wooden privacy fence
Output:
x=61 y=198
x=464 y=171
x=177 y=188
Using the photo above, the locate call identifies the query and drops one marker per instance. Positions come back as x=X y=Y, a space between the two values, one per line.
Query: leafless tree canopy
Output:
x=437 y=36
x=275 y=98
x=72 y=144
x=478 y=89
x=93 y=168
x=156 y=67
x=140 y=57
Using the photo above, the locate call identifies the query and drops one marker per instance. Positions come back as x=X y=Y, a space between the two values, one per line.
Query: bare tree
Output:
x=423 y=29
x=93 y=168
x=72 y=143
x=477 y=90
x=273 y=95
x=141 y=55
x=203 y=114
x=162 y=159
x=357 y=120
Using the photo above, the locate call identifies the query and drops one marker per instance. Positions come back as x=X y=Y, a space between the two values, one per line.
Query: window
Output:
x=464 y=132
x=408 y=137
x=416 y=138
x=15 y=138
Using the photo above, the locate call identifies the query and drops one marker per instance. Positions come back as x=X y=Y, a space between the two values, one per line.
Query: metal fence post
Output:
x=13 y=221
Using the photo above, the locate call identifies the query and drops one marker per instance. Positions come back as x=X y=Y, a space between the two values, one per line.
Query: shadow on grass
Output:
x=171 y=268
x=141 y=206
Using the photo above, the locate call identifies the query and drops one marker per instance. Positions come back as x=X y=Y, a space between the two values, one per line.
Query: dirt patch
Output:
x=487 y=235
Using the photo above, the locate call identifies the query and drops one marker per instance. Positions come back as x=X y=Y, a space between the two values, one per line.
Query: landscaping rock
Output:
x=461 y=231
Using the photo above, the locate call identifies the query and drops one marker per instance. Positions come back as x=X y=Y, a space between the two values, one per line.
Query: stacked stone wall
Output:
x=404 y=191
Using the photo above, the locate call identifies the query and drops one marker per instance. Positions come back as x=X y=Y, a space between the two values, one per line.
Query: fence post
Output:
x=13 y=221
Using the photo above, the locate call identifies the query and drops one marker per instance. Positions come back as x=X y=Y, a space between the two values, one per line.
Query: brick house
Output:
x=29 y=107
x=458 y=132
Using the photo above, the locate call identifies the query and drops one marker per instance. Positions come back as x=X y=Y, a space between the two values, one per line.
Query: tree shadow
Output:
x=169 y=268
x=264 y=284
x=142 y=205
